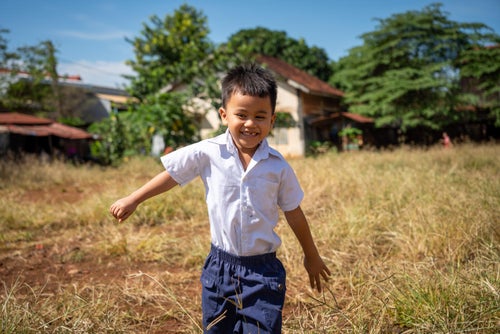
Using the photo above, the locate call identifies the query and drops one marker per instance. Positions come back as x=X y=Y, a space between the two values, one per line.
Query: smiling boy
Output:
x=246 y=181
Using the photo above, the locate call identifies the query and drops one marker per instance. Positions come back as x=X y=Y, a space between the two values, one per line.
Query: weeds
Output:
x=411 y=238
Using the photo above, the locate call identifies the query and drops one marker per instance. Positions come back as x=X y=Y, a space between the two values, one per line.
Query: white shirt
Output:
x=242 y=205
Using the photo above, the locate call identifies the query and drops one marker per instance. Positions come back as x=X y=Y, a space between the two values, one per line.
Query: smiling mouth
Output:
x=249 y=134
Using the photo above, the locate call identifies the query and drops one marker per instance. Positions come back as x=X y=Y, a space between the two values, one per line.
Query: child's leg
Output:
x=242 y=294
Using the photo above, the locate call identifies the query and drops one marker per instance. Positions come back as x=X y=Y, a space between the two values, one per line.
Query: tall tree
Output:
x=406 y=71
x=480 y=76
x=313 y=60
x=170 y=52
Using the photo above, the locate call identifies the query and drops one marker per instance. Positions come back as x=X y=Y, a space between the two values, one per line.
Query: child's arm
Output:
x=312 y=261
x=123 y=208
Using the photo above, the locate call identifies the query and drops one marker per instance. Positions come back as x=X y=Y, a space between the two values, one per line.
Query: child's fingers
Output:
x=326 y=273
x=318 y=283
x=315 y=282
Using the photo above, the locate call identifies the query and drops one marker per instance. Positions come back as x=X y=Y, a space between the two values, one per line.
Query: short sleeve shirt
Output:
x=242 y=204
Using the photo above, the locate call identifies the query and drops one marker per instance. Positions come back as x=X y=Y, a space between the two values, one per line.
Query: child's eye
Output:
x=241 y=116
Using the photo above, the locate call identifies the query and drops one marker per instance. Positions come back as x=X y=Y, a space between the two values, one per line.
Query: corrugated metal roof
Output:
x=358 y=118
x=18 y=118
x=28 y=125
x=327 y=119
x=54 y=129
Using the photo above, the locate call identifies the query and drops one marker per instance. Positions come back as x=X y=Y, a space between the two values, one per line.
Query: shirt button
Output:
x=280 y=287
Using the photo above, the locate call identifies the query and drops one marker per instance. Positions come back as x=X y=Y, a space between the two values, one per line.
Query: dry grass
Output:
x=411 y=237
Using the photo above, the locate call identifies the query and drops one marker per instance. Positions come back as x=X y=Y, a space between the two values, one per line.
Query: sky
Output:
x=90 y=35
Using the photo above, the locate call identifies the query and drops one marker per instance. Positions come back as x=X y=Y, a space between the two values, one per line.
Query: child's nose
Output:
x=249 y=122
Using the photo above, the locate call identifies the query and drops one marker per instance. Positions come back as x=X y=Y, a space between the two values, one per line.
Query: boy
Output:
x=243 y=283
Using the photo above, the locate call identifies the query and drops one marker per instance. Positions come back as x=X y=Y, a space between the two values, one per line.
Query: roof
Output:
x=24 y=74
x=18 y=118
x=115 y=98
x=298 y=78
x=28 y=125
x=358 y=118
x=327 y=119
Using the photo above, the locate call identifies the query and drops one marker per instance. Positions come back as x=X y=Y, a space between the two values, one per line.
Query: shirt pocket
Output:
x=264 y=195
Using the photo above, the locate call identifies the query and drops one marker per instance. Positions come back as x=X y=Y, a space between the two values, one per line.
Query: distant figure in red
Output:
x=446 y=140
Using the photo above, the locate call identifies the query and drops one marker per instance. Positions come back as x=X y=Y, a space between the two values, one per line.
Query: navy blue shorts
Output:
x=242 y=294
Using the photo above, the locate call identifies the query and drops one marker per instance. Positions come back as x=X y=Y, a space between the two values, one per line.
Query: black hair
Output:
x=249 y=79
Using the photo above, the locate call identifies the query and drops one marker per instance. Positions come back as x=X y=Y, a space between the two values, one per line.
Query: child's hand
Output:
x=123 y=208
x=315 y=268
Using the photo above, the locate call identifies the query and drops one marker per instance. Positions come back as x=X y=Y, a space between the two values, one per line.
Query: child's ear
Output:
x=223 y=116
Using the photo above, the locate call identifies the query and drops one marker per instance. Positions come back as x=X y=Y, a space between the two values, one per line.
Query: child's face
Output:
x=249 y=119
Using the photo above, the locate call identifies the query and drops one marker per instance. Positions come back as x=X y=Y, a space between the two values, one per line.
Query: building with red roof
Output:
x=22 y=133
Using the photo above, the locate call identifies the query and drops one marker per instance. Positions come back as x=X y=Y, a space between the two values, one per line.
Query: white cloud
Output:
x=98 y=73
x=97 y=36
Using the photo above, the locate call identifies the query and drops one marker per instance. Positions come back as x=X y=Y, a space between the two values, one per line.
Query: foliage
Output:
x=249 y=42
x=350 y=132
x=171 y=52
x=284 y=120
x=406 y=72
x=28 y=96
x=317 y=147
x=174 y=54
x=6 y=59
x=481 y=65
x=131 y=132
x=111 y=144
x=164 y=115
x=40 y=93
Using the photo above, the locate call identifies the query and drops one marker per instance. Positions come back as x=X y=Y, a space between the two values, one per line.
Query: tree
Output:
x=40 y=92
x=170 y=52
x=249 y=42
x=480 y=73
x=406 y=71
x=6 y=60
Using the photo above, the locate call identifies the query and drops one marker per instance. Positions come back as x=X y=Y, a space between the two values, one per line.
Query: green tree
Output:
x=40 y=92
x=110 y=149
x=406 y=71
x=7 y=58
x=170 y=52
x=480 y=74
x=248 y=42
x=173 y=61
x=131 y=132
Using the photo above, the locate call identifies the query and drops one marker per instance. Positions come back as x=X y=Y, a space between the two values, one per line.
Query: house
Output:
x=92 y=103
x=22 y=133
x=89 y=103
x=309 y=111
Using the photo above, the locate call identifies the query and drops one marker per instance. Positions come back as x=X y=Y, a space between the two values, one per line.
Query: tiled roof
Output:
x=309 y=83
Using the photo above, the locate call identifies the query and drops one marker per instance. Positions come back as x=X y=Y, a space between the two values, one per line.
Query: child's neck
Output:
x=245 y=158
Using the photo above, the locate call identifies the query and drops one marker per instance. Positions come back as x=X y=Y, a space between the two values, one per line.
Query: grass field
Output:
x=411 y=237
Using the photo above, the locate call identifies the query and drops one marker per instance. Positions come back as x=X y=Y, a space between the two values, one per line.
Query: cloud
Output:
x=98 y=73
x=98 y=36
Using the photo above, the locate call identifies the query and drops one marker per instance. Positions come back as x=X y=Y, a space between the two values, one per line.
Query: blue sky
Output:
x=90 y=35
